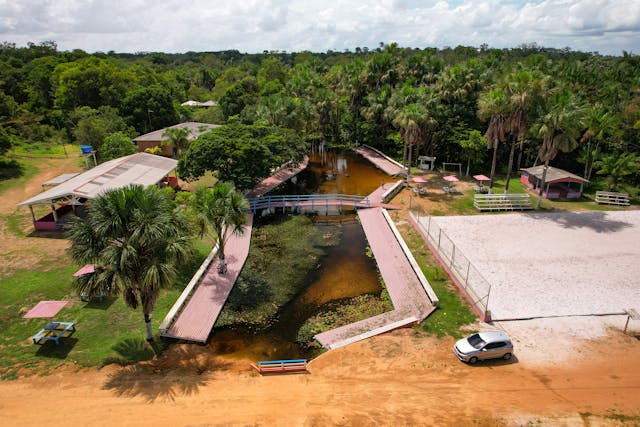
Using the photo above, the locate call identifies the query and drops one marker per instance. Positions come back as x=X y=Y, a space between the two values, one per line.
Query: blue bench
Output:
x=281 y=366
x=53 y=332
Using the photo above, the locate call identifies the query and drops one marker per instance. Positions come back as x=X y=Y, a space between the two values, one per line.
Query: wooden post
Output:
x=55 y=214
x=33 y=216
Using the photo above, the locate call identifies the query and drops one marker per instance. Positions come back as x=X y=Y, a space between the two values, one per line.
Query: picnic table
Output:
x=54 y=331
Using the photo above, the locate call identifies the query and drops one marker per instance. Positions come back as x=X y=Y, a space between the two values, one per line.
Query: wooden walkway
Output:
x=380 y=161
x=276 y=179
x=406 y=286
x=199 y=314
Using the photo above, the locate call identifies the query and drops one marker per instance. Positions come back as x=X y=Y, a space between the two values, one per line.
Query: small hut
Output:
x=559 y=184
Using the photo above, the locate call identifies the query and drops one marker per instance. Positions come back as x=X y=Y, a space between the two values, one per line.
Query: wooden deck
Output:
x=406 y=287
x=380 y=161
x=276 y=179
x=199 y=314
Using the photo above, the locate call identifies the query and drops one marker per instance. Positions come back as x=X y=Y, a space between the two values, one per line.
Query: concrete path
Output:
x=199 y=314
x=405 y=285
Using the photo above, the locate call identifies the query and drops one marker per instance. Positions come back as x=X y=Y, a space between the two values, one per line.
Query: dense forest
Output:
x=477 y=106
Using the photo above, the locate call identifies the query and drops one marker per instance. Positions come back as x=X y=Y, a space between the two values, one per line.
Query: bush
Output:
x=9 y=168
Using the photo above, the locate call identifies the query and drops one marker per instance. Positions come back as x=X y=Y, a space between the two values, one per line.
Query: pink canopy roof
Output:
x=481 y=177
x=45 y=309
x=418 y=179
x=451 y=178
x=89 y=268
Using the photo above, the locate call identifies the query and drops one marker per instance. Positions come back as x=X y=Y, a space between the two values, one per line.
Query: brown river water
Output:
x=344 y=272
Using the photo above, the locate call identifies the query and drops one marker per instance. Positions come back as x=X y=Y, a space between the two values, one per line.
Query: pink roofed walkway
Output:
x=199 y=314
x=405 y=285
x=276 y=179
x=380 y=161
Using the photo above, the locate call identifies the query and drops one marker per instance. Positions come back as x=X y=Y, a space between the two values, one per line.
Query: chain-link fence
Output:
x=464 y=272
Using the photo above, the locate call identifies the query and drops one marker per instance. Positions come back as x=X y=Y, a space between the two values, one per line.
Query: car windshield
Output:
x=475 y=341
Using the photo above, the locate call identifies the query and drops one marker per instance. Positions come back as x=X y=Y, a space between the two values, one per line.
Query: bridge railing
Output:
x=308 y=200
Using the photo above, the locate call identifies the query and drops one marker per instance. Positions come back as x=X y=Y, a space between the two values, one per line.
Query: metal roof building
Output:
x=140 y=168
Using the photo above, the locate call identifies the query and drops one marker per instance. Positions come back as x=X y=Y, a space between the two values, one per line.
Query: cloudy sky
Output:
x=606 y=26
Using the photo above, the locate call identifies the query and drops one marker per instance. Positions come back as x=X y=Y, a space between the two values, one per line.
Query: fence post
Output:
x=453 y=254
x=439 y=236
x=466 y=280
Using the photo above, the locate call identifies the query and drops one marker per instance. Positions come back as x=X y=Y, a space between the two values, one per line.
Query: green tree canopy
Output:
x=117 y=145
x=242 y=154
x=137 y=239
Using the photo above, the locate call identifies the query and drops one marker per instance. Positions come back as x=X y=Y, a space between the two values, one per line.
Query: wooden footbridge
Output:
x=311 y=202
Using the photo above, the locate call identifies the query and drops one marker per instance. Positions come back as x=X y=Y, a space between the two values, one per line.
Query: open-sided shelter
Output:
x=156 y=138
x=140 y=168
x=558 y=182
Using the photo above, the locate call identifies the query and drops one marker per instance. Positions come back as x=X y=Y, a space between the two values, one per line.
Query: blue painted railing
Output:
x=312 y=201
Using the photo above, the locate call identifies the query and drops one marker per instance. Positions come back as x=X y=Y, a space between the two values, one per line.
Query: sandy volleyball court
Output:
x=553 y=264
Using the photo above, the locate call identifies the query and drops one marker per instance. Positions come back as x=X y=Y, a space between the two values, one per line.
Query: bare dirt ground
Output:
x=566 y=372
x=27 y=251
x=395 y=379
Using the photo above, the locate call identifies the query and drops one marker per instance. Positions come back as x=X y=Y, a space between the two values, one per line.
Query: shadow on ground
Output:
x=179 y=373
x=100 y=305
x=50 y=349
x=597 y=221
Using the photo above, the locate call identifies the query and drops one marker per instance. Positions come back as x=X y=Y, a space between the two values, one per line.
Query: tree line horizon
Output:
x=485 y=107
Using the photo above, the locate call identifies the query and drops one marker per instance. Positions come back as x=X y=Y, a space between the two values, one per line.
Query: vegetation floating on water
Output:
x=281 y=256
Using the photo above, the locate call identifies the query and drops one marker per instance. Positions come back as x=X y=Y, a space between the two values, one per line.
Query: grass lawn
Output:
x=107 y=331
x=453 y=313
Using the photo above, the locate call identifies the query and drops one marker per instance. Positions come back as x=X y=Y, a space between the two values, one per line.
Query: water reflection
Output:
x=344 y=272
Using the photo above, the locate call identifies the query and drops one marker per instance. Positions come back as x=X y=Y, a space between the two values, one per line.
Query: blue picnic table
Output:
x=54 y=331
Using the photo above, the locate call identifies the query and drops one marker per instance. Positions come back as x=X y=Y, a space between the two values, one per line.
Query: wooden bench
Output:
x=281 y=366
x=502 y=202
x=54 y=331
x=611 y=198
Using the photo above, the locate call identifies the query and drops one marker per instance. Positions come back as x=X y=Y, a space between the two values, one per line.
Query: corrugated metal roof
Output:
x=59 y=179
x=553 y=174
x=196 y=128
x=140 y=168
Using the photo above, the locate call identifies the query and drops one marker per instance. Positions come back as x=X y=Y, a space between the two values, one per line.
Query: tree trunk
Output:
x=586 y=162
x=510 y=167
x=468 y=164
x=544 y=179
x=147 y=324
x=493 y=168
x=409 y=164
x=520 y=149
x=404 y=156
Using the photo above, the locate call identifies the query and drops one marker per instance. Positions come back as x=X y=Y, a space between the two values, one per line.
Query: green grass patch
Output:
x=13 y=224
x=281 y=256
x=43 y=149
x=341 y=313
x=107 y=331
x=454 y=312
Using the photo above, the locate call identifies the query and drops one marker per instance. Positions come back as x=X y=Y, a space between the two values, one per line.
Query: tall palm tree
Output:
x=523 y=88
x=559 y=128
x=178 y=137
x=137 y=239
x=598 y=123
x=410 y=120
x=494 y=105
x=220 y=210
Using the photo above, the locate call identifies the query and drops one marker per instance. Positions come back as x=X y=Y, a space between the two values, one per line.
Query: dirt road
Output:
x=395 y=379
x=17 y=251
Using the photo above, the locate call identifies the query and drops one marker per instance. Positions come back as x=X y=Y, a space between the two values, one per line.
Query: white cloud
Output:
x=608 y=26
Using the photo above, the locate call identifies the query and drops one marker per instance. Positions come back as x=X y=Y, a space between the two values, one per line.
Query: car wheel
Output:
x=507 y=356
x=473 y=360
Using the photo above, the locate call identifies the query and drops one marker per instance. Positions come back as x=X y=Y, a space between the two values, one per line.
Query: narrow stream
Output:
x=344 y=272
